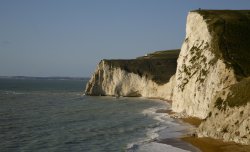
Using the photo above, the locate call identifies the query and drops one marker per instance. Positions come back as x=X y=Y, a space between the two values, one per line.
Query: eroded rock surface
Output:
x=147 y=76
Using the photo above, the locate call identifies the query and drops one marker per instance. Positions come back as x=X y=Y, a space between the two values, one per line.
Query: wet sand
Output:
x=210 y=144
x=179 y=143
x=214 y=145
x=202 y=144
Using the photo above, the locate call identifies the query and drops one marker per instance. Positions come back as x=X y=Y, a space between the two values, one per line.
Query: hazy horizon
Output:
x=53 y=38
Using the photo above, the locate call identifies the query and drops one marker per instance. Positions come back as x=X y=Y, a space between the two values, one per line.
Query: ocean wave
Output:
x=157 y=147
x=165 y=127
x=11 y=93
x=74 y=95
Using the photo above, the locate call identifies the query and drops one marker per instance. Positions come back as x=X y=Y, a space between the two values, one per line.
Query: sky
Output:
x=70 y=37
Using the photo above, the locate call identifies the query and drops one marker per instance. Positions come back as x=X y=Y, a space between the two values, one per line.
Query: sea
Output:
x=54 y=115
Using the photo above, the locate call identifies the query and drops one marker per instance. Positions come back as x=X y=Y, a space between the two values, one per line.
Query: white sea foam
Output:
x=12 y=93
x=158 y=147
x=165 y=127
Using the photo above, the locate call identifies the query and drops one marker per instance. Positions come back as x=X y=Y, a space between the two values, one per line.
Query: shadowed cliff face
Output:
x=143 y=76
x=232 y=31
x=160 y=71
x=158 y=66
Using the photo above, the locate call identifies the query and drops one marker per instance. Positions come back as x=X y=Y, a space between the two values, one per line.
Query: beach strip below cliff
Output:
x=166 y=134
x=206 y=144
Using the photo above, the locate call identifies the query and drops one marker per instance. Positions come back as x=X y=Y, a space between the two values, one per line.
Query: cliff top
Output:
x=152 y=66
x=225 y=14
x=231 y=30
x=164 y=54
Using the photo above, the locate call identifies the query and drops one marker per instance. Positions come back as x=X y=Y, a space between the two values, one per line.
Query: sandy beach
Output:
x=214 y=145
x=209 y=144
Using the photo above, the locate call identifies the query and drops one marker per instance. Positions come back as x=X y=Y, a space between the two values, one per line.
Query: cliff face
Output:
x=146 y=76
x=201 y=73
x=210 y=80
x=229 y=116
x=212 y=77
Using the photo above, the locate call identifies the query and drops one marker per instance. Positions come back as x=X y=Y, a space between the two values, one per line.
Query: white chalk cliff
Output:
x=118 y=82
x=206 y=82
x=118 y=77
x=229 y=117
x=200 y=73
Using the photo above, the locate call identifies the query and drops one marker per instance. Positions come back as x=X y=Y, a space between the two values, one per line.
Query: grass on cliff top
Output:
x=232 y=30
x=159 y=66
x=164 y=54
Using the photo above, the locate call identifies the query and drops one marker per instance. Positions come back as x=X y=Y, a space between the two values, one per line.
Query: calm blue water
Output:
x=53 y=115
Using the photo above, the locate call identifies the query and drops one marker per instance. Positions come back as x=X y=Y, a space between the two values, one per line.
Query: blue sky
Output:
x=69 y=38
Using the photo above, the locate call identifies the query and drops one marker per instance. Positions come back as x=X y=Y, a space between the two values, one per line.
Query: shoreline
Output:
x=180 y=143
x=208 y=144
x=166 y=134
x=176 y=141
x=188 y=141
x=203 y=144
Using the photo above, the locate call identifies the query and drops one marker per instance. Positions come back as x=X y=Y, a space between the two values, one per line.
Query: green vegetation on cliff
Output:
x=164 y=54
x=239 y=95
x=158 y=66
